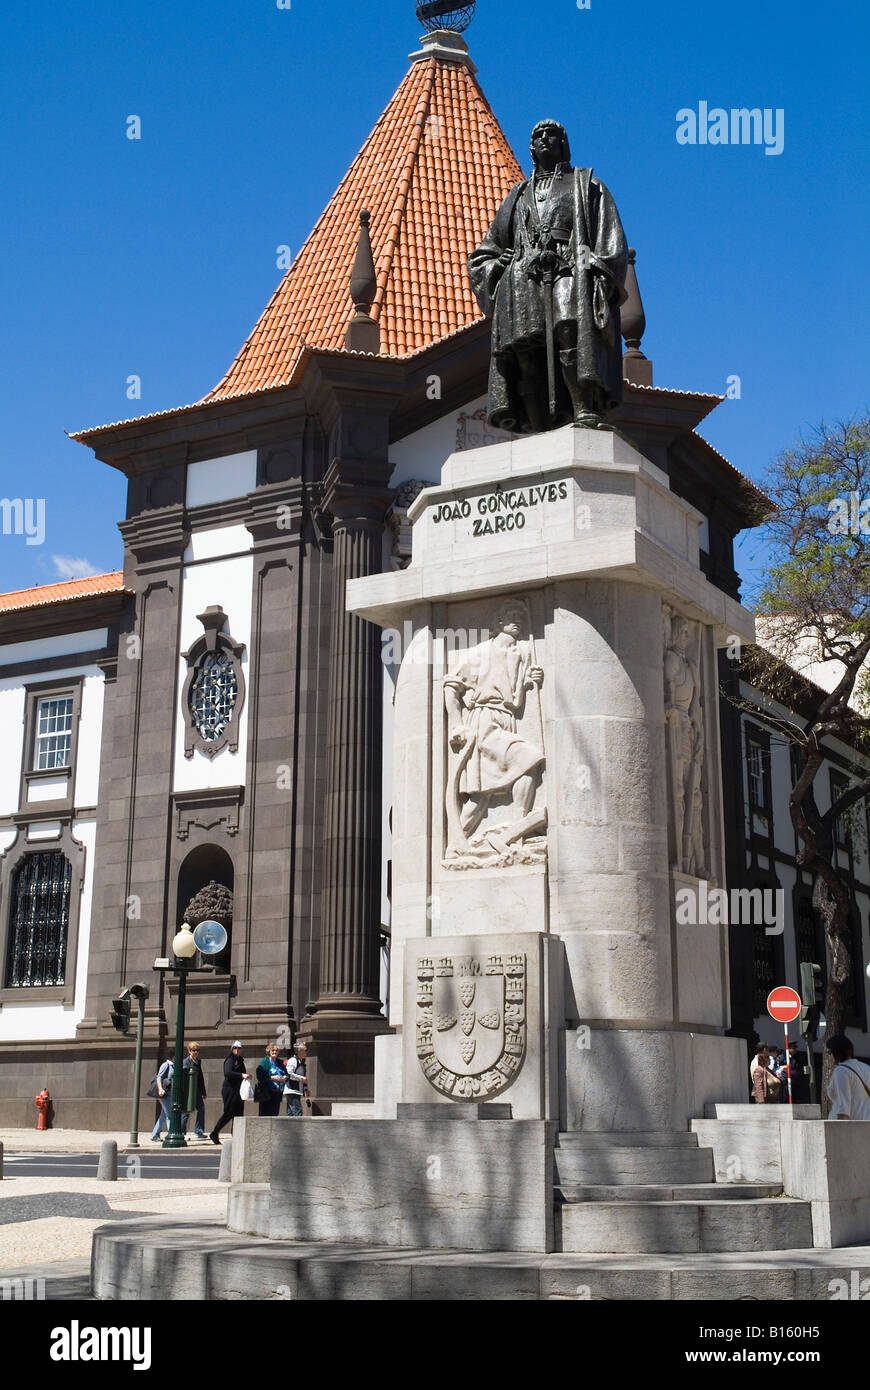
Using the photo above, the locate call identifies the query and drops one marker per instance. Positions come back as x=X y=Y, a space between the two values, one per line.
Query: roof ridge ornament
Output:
x=445 y=15
x=444 y=22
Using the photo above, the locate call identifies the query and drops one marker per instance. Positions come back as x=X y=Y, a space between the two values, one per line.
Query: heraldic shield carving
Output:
x=471 y=1023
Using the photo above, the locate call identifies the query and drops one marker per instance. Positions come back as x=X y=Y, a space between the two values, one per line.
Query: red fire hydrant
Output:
x=43 y=1104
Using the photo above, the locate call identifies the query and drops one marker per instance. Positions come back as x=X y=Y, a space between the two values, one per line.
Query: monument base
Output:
x=149 y=1259
x=436 y=1182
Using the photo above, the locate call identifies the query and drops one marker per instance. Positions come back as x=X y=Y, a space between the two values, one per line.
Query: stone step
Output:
x=760 y=1114
x=653 y=1192
x=579 y=1166
x=627 y=1139
x=627 y=1228
x=157 y=1259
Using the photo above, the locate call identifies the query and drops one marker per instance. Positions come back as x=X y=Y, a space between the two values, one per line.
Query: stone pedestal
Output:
x=557 y=773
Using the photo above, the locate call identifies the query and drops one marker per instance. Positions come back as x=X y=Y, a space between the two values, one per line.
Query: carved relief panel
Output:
x=685 y=744
x=494 y=807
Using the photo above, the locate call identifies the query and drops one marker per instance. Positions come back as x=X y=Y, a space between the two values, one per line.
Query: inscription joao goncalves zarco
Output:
x=501 y=511
x=471 y=1023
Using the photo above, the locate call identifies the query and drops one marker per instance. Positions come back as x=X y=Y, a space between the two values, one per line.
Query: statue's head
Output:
x=549 y=146
x=510 y=617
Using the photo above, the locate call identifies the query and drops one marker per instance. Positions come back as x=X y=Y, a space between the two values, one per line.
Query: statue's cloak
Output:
x=586 y=295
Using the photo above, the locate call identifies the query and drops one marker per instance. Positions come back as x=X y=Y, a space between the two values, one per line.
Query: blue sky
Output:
x=155 y=257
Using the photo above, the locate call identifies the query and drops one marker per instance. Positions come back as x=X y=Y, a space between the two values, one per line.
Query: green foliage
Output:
x=819 y=533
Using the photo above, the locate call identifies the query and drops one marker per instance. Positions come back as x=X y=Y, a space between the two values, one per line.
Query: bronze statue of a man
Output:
x=550 y=272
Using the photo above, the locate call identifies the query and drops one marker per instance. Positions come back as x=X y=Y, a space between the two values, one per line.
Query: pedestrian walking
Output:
x=295 y=1087
x=234 y=1074
x=849 y=1086
x=193 y=1064
x=271 y=1080
x=164 y=1099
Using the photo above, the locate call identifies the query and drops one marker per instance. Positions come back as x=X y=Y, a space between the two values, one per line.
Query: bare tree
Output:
x=816 y=598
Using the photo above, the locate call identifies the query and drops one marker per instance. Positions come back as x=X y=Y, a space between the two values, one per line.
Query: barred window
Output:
x=53 y=740
x=765 y=968
x=39 y=921
x=213 y=695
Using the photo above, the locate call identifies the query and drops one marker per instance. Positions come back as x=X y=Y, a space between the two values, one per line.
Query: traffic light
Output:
x=121 y=1012
x=812 y=997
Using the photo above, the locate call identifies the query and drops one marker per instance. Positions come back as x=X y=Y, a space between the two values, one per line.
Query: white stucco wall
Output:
x=65 y=644
x=12 y=725
x=422 y=454
x=87 y=789
x=221 y=479
x=227 y=582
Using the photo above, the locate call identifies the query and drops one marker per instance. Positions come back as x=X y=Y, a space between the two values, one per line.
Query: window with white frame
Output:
x=52 y=743
x=755 y=760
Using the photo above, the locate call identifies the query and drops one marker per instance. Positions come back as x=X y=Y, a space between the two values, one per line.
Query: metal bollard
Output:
x=226 y=1161
x=107 y=1169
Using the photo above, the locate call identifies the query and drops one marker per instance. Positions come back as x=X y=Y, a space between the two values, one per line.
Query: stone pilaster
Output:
x=345 y=1017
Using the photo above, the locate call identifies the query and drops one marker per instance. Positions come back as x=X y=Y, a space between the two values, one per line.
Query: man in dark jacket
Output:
x=234 y=1075
x=193 y=1064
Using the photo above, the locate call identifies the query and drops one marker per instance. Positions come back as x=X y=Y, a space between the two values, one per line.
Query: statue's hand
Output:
x=506 y=257
x=458 y=738
x=535 y=677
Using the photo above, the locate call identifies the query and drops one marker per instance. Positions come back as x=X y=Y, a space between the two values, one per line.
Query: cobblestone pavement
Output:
x=46 y=1223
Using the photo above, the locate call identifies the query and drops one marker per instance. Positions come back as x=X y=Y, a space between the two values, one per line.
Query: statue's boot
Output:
x=581 y=397
x=528 y=391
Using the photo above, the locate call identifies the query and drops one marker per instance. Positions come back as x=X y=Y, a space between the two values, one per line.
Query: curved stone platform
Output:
x=196 y=1260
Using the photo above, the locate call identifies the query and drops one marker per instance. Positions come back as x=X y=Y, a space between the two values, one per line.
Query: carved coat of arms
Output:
x=471 y=1023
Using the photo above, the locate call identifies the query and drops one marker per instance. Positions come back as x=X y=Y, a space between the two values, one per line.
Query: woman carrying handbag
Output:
x=234 y=1074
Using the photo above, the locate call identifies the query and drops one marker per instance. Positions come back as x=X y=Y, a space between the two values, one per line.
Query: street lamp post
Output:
x=184 y=951
x=210 y=938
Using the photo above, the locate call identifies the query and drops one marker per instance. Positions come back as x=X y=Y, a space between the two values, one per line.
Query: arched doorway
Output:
x=204 y=865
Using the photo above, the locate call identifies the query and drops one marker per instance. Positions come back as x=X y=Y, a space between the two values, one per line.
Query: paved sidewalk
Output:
x=47 y=1221
x=81 y=1141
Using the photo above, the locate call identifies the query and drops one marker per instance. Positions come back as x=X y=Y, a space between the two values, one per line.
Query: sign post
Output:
x=784 y=1004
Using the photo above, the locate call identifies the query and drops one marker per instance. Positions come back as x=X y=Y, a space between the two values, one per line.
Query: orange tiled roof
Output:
x=432 y=173
x=62 y=593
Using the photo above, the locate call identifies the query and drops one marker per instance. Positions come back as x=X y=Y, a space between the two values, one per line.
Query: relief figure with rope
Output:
x=495 y=743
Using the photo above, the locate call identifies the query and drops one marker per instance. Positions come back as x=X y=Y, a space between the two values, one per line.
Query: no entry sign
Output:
x=784 y=1004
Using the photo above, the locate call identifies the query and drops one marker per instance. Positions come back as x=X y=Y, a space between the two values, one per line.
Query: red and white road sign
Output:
x=784 y=1004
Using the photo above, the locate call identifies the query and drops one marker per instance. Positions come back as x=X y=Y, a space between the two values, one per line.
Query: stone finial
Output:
x=213 y=903
x=363 y=333
x=636 y=367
